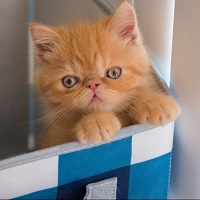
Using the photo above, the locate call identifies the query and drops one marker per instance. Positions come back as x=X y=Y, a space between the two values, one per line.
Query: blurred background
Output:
x=171 y=31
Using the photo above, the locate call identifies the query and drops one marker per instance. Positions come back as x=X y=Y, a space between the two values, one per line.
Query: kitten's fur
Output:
x=88 y=50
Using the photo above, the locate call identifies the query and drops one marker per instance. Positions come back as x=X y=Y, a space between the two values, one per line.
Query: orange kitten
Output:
x=96 y=77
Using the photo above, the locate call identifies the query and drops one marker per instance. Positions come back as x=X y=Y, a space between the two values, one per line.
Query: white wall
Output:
x=185 y=180
x=155 y=19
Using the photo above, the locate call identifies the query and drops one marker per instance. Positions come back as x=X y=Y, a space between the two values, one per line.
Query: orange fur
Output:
x=88 y=50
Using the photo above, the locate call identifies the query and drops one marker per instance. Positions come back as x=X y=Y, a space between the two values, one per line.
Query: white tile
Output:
x=152 y=143
x=27 y=178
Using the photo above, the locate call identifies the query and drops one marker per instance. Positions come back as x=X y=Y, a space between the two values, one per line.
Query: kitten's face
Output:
x=90 y=66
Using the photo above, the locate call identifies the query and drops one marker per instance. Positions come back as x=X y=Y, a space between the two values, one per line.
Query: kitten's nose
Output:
x=92 y=84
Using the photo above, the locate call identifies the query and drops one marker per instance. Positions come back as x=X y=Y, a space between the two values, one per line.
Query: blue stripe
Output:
x=149 y=179
x=31 y=10
x=31 y=95
x=77 y=189
x=90 y=162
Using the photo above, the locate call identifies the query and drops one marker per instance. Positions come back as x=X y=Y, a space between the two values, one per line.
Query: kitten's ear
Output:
x=124 y=22
x=44 y=38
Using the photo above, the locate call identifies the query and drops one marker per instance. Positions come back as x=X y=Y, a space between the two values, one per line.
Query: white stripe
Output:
x=27 y=178
x=152 y=143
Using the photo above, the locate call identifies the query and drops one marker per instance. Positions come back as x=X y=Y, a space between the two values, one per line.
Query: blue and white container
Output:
x=134 y=165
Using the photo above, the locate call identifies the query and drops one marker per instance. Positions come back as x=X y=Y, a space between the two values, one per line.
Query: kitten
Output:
x=95 y=78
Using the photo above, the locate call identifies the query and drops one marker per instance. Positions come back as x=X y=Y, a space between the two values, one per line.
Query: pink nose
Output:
x=92 y=85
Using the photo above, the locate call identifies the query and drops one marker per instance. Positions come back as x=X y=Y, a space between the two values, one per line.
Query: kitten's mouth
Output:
x=95 y=98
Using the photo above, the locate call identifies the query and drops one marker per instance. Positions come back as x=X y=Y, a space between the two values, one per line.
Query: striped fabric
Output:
x=138 y=156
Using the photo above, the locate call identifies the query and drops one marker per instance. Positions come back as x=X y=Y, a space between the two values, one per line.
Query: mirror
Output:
x=19 y=105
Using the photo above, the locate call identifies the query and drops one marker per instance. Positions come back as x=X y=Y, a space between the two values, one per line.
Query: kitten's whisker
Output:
x=48 y=116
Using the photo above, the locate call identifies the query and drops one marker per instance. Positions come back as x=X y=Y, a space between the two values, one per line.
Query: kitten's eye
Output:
x=69 y=81
x=114 y=73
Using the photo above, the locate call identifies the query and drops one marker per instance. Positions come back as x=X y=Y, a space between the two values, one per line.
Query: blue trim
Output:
x=173 y=91
x=150 y=179
x=77 y=189
x=31 y=95
x=97 y=160
x=31 y=10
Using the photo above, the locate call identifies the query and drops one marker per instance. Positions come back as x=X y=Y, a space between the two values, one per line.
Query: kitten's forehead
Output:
x=84 y=49
x=92 y=50
x=100 y=65
x=97 y=66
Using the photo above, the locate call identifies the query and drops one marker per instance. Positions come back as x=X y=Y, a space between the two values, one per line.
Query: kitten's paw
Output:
x=157 y=110
x=97 y=127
